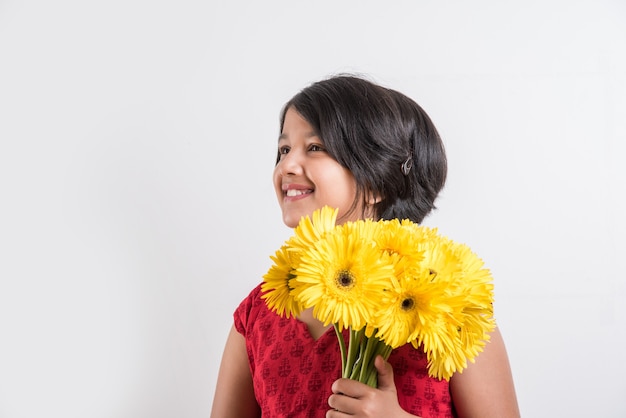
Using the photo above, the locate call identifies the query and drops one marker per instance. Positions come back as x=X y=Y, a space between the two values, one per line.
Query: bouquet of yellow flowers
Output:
x=390 y=283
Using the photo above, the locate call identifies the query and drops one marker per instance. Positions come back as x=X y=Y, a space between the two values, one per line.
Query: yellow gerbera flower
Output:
x=476 y=280
x=342 y=277
x=476 y=313
x=276 y=285
x=401 y=240
x=392 y=282
x=442 y=364
x=412 y=308
x=311 y=229
x=439 y=257
x=469 y=294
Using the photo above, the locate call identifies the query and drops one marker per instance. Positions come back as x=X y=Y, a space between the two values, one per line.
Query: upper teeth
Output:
x=294 y=192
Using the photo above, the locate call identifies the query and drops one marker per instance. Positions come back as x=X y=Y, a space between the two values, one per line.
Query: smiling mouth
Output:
x=294 y=192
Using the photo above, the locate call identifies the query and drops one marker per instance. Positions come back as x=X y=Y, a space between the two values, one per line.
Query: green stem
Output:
x=359 y=363
x=367 y=368
x=353 y=348
x=342 y=347
x=385 y=351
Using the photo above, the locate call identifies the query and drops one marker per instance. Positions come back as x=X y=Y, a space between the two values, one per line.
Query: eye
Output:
x=316 y=147
x=283 y=150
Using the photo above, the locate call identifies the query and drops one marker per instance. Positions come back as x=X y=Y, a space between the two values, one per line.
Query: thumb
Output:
x=385 y=374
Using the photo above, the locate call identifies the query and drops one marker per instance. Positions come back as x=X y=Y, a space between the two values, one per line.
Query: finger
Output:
x=333 y=413
x=349 y=387
x=343 y=404
x=385 y=374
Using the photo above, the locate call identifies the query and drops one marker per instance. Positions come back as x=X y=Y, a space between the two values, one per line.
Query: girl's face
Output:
x=306 y=177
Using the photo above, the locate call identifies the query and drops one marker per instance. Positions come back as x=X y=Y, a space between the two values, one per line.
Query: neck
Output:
x=315 y=326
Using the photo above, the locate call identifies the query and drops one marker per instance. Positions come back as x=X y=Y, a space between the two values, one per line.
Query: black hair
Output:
x=376 y=132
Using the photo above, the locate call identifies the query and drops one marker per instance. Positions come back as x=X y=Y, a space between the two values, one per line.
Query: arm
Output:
x=485 y=389
x=234 y=393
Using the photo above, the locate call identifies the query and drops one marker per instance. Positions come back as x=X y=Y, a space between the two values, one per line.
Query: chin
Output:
x=291 y=221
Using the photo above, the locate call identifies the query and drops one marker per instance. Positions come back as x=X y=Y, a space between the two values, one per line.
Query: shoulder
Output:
x=249 y=308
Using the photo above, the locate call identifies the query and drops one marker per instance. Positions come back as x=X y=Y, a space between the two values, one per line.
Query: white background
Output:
x=137 y=145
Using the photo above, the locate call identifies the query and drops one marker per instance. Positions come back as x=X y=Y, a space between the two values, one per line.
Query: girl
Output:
x=371 y=152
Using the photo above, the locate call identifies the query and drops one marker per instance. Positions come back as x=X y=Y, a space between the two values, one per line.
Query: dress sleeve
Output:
x=243 y=311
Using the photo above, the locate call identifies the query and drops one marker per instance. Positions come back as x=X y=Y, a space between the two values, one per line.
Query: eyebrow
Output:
x=308 y=135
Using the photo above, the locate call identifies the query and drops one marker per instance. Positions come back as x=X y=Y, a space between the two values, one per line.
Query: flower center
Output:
x=345 y=280
x=407 y=304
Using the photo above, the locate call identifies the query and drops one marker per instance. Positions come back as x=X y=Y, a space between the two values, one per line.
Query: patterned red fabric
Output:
x=292 y=373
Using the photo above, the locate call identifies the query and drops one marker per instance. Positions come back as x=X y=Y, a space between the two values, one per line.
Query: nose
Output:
x=291 y=163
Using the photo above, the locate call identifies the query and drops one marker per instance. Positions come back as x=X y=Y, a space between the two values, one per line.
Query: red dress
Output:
x=292 y=373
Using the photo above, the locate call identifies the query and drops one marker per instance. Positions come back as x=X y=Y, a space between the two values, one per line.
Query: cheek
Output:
x=276 y=181
x=343 y=188
x=348 y=184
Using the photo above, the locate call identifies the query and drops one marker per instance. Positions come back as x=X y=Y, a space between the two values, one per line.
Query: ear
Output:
x=372 y=199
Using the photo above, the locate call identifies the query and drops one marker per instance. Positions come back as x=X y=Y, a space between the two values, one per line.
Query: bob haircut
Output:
x=377 y=133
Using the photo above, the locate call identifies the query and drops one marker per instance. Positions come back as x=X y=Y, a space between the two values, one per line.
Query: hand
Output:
x=352 y=398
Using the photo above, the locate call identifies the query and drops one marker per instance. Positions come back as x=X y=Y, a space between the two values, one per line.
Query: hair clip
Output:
x=406 y=166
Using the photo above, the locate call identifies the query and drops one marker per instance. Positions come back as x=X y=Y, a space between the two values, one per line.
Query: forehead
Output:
x=294 y=125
